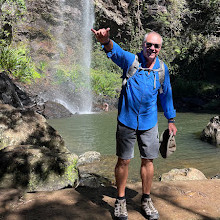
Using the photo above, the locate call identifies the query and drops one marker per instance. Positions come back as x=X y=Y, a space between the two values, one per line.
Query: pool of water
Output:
x=96 y=132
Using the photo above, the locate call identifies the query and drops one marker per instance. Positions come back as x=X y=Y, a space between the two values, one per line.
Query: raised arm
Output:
x=122 y=58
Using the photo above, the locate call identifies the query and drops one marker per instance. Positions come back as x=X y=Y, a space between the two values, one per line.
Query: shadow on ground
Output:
x=173 y=200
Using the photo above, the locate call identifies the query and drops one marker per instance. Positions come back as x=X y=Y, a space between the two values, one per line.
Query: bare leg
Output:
x=121 y=175
x=147 y=173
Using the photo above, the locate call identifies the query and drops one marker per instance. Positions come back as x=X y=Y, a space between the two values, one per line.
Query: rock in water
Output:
x=211 y=133
x=89 y=157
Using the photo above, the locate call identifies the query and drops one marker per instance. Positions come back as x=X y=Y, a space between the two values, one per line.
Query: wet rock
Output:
x=99 y=102
x=55 y=110
x=217 y=176
x=97 y=172
x=211 y=133
x=89 y=157
x=93 y=180
x=183 y=174
x=33 y=155
x=11 y=94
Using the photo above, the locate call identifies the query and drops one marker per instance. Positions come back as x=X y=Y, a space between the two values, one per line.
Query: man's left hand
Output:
x=172 y=128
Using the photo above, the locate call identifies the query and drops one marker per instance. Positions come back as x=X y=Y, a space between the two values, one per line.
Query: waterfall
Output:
x=88 y=20
x=70 y=65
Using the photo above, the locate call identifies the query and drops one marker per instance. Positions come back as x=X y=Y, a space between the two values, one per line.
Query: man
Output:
x=137 y=115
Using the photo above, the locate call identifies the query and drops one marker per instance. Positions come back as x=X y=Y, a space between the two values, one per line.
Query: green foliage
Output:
x=172 y=21
x=71 y=171
x=10 y=12
x=197 y=60
x=105 y=75
x=105 y=83
x=100 y=60
x=42 y=66
x=13 y=7
x=17 y=62
x=206 y=15
x=105 y=79
x=190 y=88
x=170 y=49
x=75 y=74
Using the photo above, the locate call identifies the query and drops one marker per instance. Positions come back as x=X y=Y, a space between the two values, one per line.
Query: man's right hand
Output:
x=102 y=35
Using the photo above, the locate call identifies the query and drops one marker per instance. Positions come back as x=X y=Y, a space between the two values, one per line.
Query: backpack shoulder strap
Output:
x=132 y=70
x=161 y=75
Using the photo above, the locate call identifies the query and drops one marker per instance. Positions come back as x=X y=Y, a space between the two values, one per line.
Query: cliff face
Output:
x=47 y=24
x=115 y=14
x=51 y=26
x=127 y=18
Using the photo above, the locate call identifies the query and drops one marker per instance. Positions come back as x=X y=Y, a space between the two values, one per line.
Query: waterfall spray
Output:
x=88 y=20
x=70 y=66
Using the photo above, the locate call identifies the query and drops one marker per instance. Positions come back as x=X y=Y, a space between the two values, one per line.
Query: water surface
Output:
x=96 y=132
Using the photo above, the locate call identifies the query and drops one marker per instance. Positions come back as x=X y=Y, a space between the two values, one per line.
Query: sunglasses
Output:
x=149 y=45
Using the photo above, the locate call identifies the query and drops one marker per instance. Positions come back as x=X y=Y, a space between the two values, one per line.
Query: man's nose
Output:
x=152 y=47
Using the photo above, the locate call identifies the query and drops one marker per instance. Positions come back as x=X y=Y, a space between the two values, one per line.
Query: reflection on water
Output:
x=96 y=132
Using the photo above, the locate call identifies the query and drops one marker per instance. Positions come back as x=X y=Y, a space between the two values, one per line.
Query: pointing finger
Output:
x=93 y=30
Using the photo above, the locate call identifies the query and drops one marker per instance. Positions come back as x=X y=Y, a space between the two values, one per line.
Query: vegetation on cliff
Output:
x=14 y=58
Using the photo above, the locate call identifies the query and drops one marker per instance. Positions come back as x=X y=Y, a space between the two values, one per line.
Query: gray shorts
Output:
x=148 y=142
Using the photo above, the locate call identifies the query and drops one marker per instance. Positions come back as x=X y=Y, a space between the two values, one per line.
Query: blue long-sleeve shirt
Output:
x=137 y=107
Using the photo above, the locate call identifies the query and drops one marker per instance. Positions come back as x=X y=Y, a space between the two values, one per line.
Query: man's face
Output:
x=152 y=46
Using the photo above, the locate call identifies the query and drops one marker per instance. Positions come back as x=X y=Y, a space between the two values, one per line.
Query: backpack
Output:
x=135 y=66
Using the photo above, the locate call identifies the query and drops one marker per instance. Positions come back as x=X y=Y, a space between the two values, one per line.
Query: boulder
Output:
x=26 y=127
x=33 y=155
x=55 y=110
x=11 y=94
x=90 y=165
x=93 y=180
x=89 y=157
x=211 y=133
x=183 y=174
x=33 y=168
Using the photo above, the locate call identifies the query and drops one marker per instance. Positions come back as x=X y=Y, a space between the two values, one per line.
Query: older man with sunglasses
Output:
x=137 y=115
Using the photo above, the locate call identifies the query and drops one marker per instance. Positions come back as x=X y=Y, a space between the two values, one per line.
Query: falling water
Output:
x=88 y=20
x=70 y=66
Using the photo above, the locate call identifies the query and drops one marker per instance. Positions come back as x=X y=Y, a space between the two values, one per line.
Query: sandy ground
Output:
x=180 y=200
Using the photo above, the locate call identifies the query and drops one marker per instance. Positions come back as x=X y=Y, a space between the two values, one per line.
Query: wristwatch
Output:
x=106 y=43
x=171 y=120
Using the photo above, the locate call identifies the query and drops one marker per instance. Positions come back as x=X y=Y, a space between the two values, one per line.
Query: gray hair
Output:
x=152 y=32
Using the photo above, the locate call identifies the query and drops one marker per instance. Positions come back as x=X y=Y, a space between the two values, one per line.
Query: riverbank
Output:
x=179 y=200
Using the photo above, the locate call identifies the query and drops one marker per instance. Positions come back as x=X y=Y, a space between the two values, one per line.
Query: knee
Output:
x=122 y=163
x=146 y=162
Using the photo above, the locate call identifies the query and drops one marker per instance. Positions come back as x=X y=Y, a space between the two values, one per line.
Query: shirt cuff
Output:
x=170 y=114
x=112 y=52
